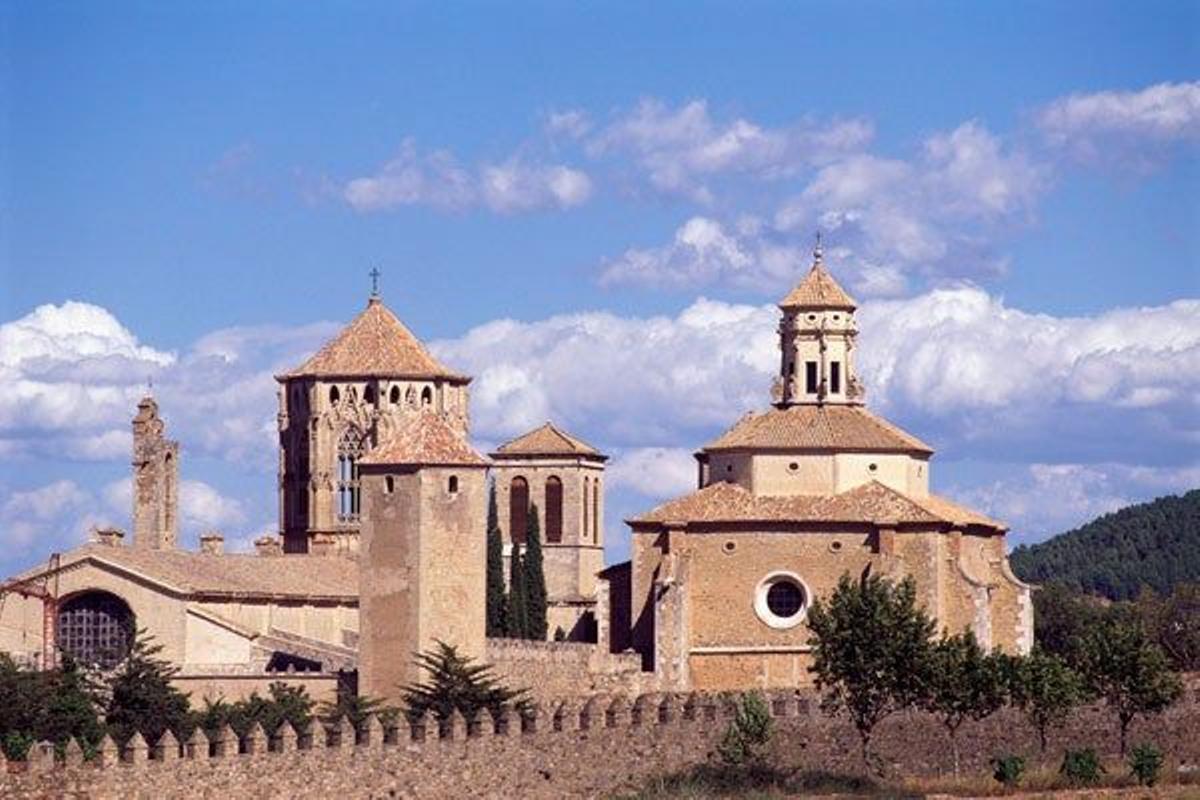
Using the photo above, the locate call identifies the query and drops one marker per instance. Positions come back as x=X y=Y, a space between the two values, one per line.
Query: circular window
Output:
x=781 y=600
x=835 y=547
x=812 y=317
x=729 y=547
x=793 y=466
x=872 y=467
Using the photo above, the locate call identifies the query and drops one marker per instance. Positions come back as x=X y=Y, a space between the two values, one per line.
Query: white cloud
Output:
x=655 y=472
x=573 y=123
x=681 y=148
x=201 y=506
x=43 y=516
x=1098 y=125
x=437 y=180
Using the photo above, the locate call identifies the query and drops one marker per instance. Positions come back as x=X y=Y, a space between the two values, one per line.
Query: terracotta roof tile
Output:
x=817 y=427
x=818 y=290
x=425 y=438
x=236 y=574
x=544 y=441
x=375 y=343
x=872 y=502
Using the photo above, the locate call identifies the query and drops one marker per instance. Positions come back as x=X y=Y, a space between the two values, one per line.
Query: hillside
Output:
x=1156 y=544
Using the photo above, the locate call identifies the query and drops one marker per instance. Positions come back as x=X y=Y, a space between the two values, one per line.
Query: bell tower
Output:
x=817 y=334
x=155 y=480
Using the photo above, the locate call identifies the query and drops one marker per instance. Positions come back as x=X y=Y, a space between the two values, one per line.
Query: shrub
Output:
x=1081 y=767
x=1145 y=762
x=16 y=745
x=1008 y=769
x=748 y=731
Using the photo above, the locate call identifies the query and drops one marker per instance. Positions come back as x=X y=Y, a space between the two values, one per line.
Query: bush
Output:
x=1081 y=767
x=1008 y=769
x=748 y=731
x=16 y=744
x=1145 y=762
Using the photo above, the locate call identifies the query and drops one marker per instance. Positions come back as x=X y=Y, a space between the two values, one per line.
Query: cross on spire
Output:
x=374 y=273
x=817 y=251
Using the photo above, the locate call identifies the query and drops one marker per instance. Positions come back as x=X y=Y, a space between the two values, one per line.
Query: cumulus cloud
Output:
x=201 y=506
x=438 y=180
x=1129 y=123
x=35 y=516
x=654 y=472
x=680 y=148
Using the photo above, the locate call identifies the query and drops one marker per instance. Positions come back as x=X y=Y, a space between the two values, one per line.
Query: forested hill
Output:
x=1156 y=544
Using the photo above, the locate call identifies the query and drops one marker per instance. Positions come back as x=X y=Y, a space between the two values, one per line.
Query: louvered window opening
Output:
x=554 y=509
x=518 y=509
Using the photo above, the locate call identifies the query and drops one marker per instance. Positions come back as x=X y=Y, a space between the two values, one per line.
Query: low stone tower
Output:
x=155 y=481
x=564 y=477
x=422 y=559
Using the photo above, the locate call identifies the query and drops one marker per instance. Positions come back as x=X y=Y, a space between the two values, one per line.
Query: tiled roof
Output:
x=872 y=503
x=375 y=343
x=425 y=438
x=817 y=427
x=818 y=290
x=546 y=441
x=237 y=574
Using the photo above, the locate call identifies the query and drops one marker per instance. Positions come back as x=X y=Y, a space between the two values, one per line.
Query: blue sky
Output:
x=195 y=193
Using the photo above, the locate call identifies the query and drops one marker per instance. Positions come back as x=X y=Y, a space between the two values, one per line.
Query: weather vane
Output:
x=374 y=273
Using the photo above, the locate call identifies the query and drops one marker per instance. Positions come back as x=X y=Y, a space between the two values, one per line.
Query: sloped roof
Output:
x=546 y=440
x=870 y=503
x=817 y=427
x=818 y=289
x=425 y=438
x=230 y=575
x=375 y=344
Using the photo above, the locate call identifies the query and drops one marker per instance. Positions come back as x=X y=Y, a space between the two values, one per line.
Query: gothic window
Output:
x=394 y=395
x=334 y=395
x=810 y=377
x=554 y=509
x=452 y=484
x=96 y=628
x=427 y=396
x=351 y=446
x=518 y=509
x=835 y=377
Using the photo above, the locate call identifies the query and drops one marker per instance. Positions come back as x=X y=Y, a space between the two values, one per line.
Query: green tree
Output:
x=1131 y=673
x=535 y=579
x=517 y=618
x=871 y=650
x=965 y=683
x=456 y=682
x=1061 y=618
x=496 y=600
x=1045 y=688
x=1174 y=622
x=747 y=732
x=142 y=698
x=53 y=705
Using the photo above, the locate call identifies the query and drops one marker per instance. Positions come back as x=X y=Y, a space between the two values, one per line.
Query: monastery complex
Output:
x=382 y=522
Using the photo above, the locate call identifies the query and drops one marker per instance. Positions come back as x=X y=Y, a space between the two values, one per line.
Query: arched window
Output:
x=369 y=394
x=394 y=395
x=351 y=446
x=96 y=628
x=587 y=524
x=427 y=396
x=596 y=522
x=334 y=395
x=518 y=509
x=554 y=503
x=452 y=484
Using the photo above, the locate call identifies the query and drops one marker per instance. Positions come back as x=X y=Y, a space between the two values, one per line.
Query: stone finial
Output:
x=256 y=739
x=108 y=536
x=197 y=744
x=374 y=732
x=40 y=757
x=318 y=739
x=619 y=714
x=345 y=732
x=107 y=753
x=137 y=750
x=212 y=543
x=456 y=726
x=268 y=545
x=287 y=737
x=73 y=753
x=168 y=746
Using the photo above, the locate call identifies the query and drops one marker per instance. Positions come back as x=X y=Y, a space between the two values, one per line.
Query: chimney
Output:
x=212 y=543
x=110 y=537
x=268 y=545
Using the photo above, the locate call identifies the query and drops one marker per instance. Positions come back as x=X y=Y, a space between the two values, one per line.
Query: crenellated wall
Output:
x=575 y=749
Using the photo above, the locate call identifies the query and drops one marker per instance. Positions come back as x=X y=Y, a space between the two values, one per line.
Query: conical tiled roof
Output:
x=818 y=290
x=375 y=344
x=546 y=440
x=425 y=439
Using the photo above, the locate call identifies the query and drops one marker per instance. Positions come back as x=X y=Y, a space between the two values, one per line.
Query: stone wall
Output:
x=557 y=670
x=571 y=750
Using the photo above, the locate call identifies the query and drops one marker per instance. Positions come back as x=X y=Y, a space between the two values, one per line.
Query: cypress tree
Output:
x=535 y=579
x=496 y=601
x=516 y=620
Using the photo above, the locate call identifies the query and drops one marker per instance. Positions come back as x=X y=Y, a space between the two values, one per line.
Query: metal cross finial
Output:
x=374 y=273
x=817 y=252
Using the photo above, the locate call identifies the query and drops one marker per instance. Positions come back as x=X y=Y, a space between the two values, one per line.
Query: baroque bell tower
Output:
x=817 y=334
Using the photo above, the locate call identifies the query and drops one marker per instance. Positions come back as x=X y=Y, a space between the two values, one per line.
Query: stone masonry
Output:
x=155 y=481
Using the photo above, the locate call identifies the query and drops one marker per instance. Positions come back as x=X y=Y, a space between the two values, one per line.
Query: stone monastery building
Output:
x=382 y=520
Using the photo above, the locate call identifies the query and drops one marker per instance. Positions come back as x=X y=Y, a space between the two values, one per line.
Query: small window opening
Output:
x=835 y=547
x=812 y=317
x=793 y=466
x=389 y=484
x=427 y=396
x=810 y=377
x=452 y=484
x=729 y=467
x=394 y=395
x=369 y=394
x=334 y=395
x=872 y=467
x=835 y=377
x=729 y=547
